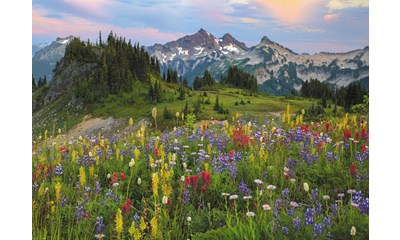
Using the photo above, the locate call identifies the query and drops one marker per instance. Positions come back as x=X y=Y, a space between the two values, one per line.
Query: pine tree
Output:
x=216 y=106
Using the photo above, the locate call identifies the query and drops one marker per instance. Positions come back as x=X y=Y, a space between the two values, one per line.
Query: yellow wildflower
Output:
x=154 y=179
x=153 y=223
x=132 y=229
x=82 y=176
x=91 y=171
x=58 y=190
x=142 y=224
x=118 y=222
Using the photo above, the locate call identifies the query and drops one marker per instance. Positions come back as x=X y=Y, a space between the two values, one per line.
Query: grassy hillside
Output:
x=60 y=115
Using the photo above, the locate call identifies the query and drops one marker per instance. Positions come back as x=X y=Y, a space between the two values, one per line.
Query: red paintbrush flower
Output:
x=353 y=170
x=126 y=208
x=231 y=153
x=194 y=179
x=205 y=176
x=364 y=148
x=357 y=135
x=327 y=125
x=156 y=152
x=122 y=176
x=187 y=181
x=203 y=188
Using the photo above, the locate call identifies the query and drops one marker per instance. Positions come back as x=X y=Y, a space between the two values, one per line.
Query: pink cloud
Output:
x=79 y=27
x=94 y=7
x=290 y=11
x=331 y=17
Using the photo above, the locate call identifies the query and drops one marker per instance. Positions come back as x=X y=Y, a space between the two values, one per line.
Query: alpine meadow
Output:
x=148 y=128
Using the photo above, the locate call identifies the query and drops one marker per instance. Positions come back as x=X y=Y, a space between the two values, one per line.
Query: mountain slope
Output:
x=38 y=46
x=278 y=69
x=44 y=60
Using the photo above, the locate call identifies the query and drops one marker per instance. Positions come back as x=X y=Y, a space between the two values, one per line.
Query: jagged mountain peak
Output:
x=266 y=40
x=64 y=40
x=228 y=39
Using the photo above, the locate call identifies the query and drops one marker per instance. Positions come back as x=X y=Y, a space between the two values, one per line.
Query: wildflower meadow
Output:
x=272 y=178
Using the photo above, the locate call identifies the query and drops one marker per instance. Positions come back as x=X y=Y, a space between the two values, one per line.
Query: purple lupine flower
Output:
x=357 y=197
x=333 y=209
x=186 y=196
x=99 y=225
x=97 y=190
x=314 y=194
x=243 y=188
x=35 y=186
x=309 y=217
x=232 y=169
x=109 y=193
x=329 y=236
x=63 y=201
x=285 y=230
x=290 y=212
x=318 y=208
x=87 y=189
x=285 y=193
x=296 y=223
x=326 y=223
x=364 y=206
x=329 y=155
x=136 y=219
x=278 y=204
x=318 y=228
x=79 y=211
x=59 y=170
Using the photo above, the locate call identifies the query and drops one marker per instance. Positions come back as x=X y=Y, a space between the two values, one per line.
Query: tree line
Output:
x=343 y=96
x=235 y=77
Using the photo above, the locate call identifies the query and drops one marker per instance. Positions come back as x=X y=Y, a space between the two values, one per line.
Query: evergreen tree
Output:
x=216 y=106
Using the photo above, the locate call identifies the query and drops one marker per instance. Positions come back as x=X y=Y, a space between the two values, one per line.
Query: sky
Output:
x=305 y=26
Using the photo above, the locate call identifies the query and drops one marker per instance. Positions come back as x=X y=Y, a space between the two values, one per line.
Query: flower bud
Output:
x=189 y=219
x=132 y=163
x=306 y=188
x=353 y=231
x=139 y=181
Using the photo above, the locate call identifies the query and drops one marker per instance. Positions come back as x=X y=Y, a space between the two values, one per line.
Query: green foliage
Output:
x=238 y=78
x=315 y=111
x=362 y=107
x=118 y=66
x=167 y=114
x=203 y=82
x=344 y=96
x=190 y=120
x=216 y=105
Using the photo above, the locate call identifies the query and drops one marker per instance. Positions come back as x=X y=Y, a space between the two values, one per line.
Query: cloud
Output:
x=250 y=20
x=238 y=2
x=93 y=6
x=289 y=11
x=331 y=17
x=343 y=4
x=79 y=27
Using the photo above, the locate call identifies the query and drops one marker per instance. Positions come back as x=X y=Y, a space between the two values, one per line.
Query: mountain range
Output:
x=45 y=59
x=278 y=69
